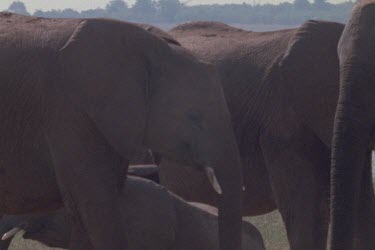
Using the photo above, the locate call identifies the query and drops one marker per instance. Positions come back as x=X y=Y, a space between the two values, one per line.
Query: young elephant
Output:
x=156 y=219
x=80 y=96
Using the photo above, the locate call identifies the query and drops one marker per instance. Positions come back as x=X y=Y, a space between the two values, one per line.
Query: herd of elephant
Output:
x=247 y=122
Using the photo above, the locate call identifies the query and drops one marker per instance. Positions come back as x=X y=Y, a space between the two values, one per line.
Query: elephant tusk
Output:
x=211 y=176
x=10 y=233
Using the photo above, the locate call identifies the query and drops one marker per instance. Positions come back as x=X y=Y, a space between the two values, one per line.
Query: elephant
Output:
x=281 y=88
x=79 y=97
x=352 y=194
x=157 y=219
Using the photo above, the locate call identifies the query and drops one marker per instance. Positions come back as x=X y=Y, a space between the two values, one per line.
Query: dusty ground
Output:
x=270 y=226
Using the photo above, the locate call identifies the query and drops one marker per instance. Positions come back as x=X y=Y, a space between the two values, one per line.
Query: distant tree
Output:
x=69 y=13
x=143 y=10
x=177 y=11
x=168 y=9
x=302 y=4
x=116 y=7
x=320 y=4
x=94 y=13
x=18 y=7
x=39 y=13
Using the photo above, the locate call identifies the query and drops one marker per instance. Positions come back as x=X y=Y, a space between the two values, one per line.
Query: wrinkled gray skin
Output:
x=352 y=194
x=79 y=97
x=156 y=219
x=281 y=88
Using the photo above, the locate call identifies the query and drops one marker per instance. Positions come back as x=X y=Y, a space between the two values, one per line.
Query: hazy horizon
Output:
x=33 y=5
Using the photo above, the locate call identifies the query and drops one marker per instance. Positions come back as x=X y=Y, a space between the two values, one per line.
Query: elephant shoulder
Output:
x=312 y=39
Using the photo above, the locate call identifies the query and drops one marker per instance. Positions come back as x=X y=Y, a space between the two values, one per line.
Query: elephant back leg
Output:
x=90 y=174
x=298 y=166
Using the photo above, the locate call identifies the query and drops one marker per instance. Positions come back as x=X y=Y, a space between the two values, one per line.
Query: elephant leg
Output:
x=79 y=238
x=90 y=175
x=366 y=215
x=298 y=166
x=258 y=197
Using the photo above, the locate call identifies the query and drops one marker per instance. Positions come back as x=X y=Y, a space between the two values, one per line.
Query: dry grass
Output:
x=270 y=225
x=20 y=244
x=272 y=229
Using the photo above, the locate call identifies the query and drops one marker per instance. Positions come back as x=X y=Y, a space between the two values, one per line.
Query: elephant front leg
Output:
x=365 y=230
x=298 y=165
x=79 y=239
x=90 y=174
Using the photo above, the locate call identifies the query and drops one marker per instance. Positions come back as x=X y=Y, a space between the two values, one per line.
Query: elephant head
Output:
x=352 y=195
x=180 y=113
x=198 y=132
x=98 y=90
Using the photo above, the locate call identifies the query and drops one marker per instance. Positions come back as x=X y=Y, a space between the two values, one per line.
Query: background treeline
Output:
x=176 y=11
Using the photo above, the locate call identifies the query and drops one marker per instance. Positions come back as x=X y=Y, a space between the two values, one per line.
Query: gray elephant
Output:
x=79 y=97
x=281 y=88
x=156 y=219
x=352 y=193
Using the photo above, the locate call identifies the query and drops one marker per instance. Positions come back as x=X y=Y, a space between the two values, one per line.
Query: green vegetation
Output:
x=176 y=11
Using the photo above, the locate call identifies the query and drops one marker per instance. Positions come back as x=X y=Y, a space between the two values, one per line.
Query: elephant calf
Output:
x=156 y=219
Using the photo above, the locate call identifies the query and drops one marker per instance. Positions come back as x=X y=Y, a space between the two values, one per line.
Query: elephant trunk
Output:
x=228 y=170
x=350 y=150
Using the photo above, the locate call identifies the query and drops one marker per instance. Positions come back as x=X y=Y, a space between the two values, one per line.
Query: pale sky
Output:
x=32 y=5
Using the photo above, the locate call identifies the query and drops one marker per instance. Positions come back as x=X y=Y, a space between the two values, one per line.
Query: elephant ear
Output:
x=105 y=74
x=159 y=33
x=310 y=69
